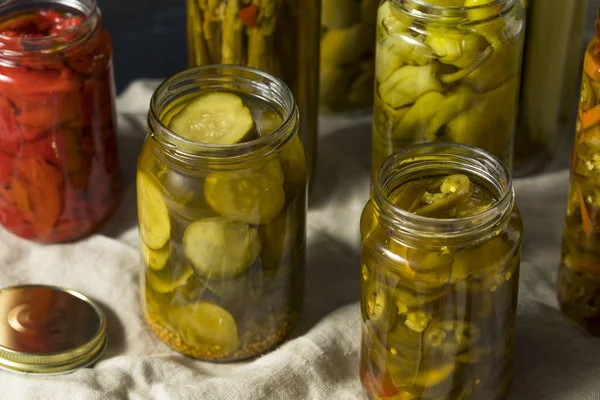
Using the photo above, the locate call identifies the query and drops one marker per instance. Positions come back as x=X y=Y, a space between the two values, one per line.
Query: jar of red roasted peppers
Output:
x=59 y=170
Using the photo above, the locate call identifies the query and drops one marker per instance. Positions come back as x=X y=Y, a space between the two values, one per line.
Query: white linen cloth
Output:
x=554 y=360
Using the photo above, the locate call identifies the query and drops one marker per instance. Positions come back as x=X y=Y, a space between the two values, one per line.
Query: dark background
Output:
x=149 y=38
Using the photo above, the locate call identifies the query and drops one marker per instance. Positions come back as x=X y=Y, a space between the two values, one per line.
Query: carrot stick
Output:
x=591 y=67
x=590 y=117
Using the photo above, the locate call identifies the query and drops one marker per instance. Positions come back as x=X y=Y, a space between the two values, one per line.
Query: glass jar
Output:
x=274 y=36
x=223 y=226
x=59 y=168
x=579 y=271
x=441 y=239
x=447 y=74
x=549 y=88
x=347 y=71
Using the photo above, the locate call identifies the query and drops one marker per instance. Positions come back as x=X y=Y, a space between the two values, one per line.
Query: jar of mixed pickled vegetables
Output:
x=554 y=45
x=221 y=184
x=274 y=36
x=447 y=70
x=59 y=170
x=579 y=271
x=441 y=240
x=347 y=55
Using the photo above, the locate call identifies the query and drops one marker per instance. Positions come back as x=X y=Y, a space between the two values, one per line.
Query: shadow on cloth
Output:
x=332 y=280
x=342 y=148
x=115 y=332
x=545 y=345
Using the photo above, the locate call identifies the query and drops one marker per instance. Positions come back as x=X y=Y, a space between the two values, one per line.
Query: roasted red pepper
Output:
x=59 y=173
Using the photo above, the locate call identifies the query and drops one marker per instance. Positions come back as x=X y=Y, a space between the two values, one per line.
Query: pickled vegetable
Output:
x=347 y=71
x=579 y=271
x=223 y=244
x=207 y=244
x=60 y=176
x=215 y=118
x=438 y=316
x=274 y=36
x=436 y=80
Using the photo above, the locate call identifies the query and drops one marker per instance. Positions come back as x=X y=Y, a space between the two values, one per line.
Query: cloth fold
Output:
x=554 y=360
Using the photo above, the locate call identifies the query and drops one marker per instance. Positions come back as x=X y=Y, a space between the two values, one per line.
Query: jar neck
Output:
x=244 y=81
x=426 y=12
x=16 y=48
x=433 y=160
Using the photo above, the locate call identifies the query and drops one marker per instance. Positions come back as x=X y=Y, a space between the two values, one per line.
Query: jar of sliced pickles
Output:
x=347 y=55
x=221 y=184
x=441 y=240
x=59 y=170
x=579 y=271
x=274 y=36
x=555 y=31
x=447 y=70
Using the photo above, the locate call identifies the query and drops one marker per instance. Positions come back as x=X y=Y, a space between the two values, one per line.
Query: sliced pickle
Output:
x=155 y=226
x=487 y=259
x=378 y=308
x=167 y=280
x=408 y=196
x=206 y=325
x=155 y=259
x=214 y=118
x=219 y=248
x=450 y=337
x=453 y=190
x=254 y=195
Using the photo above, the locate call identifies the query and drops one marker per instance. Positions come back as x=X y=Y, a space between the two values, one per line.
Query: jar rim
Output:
x=473 y=159
x=452 y=14
x=194 y=77
x=90 y=12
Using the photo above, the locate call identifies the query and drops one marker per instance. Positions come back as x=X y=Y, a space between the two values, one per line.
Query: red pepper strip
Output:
x=38 y=194
x=248 y=15
x=65 y=25
x=19 y=23
x=46 y=19
x=95 y=59
x=75 y=162
x=6 y=169
x=587 y=224
x=40 y=83
x=10 y=133
x=381 y=385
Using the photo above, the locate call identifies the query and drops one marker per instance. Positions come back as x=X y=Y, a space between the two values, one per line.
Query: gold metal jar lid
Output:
x=49 y=330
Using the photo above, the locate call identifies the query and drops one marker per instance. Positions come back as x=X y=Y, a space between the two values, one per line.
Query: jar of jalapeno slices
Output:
x=221 y=184
x=447 y=70
x=441 y=239
x=347 y=55
x=579 y=271
x=274 y=36
x=59 y=170
x=555 y=31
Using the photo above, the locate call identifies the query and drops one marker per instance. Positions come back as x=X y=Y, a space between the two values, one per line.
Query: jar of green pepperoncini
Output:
x=221 y=184
x=441 y=239
x=447 y=70
x=346 y=71
x=274 y=36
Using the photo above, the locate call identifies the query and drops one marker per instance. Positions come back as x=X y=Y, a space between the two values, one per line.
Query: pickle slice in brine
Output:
x=487 y=259
x=254 y=195
x=167 y=280
x=214 y=118
x=155 y=226
x=155 y=259
x=219 y=248
x=206 y=325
